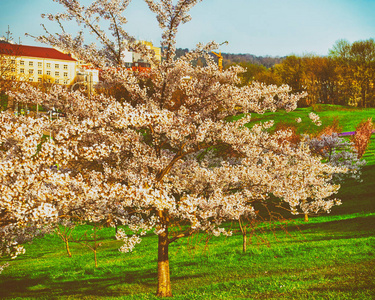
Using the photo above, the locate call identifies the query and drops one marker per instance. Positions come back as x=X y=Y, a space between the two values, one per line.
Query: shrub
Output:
x=334 y=127
x=294 y=137
x=362 y=136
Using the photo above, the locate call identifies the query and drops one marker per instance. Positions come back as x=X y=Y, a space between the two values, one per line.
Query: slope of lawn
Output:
x=330 y=257
x=346 y=117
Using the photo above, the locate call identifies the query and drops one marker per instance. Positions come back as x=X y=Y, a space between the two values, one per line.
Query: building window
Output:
x=39 y=72
x=39 y=64
x=57 y=74
x=39 y=79
x=31 y=71
x=57 y=81
x=22 y=62
x=13 y=62
x=13 y=70
x=65 y=81
x=49 y=80
x=48 y=72
x=31 y=63
x=65 y=74
x=66 y=67
x=22 y=71
x=30 y=79
x=56 y=66
x=48 y=65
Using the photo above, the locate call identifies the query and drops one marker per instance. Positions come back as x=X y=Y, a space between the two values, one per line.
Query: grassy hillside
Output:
x=330 y=257
x=347 y=118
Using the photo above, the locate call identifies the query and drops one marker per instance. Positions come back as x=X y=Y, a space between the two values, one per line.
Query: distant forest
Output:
x=345 y=77
x=230 y=58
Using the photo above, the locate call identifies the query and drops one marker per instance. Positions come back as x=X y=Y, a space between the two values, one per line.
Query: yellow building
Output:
x=157 y=50
x=48 y=65
x=37 y=64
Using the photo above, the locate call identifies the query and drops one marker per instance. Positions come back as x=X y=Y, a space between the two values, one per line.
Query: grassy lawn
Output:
x=348 y=118
x=330 y=257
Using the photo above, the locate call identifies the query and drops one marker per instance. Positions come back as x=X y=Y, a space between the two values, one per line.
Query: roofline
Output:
x=40 y=57
x=24 y=48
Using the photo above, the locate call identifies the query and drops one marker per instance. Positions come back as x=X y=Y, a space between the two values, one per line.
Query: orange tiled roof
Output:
x=32 y=51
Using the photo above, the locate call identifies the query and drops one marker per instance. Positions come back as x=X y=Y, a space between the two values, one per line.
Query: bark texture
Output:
x=244 y=242
x=164 y=280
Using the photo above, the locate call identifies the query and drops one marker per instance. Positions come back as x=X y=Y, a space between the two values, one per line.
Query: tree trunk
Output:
x=96 y=260
x=306 y=217
x=67 y=247
x=244 y=237
x=164 y=280
x=244 y=242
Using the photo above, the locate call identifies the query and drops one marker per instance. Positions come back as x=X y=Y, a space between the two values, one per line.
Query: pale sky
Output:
x=259 y=27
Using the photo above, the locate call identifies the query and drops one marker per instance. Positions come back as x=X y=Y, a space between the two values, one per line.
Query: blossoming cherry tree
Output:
x=165 y=154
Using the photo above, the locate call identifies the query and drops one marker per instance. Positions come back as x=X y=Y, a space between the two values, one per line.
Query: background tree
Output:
x=362 y=136
x=9 y=65
x=165 y=156
x=319 y=79
x=291 y=72
x=257 y=72
x=363 y=71
x=355 y=69
x=251 y=73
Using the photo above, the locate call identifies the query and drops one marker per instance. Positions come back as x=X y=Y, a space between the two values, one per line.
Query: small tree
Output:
x=362 y=136
x=338 y=152
x=8 y=65
x=162 y=156
x=9 y=69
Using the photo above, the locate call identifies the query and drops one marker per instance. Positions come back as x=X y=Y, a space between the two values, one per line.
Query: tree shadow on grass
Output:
x=46 y=287
x=106 y=285
x=11 y=285
x=347 y=228
x=354 y=279
x=358 y=224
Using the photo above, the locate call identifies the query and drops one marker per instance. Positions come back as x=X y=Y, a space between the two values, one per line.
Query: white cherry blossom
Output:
x=164 y=155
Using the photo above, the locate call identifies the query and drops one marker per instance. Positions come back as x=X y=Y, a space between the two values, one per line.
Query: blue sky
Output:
x=260 y=27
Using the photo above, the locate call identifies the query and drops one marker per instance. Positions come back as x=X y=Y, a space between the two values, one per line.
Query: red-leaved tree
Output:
x=362 y=136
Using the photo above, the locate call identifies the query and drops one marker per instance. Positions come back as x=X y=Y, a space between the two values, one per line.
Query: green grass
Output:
x=330 y=257
x=348 y=118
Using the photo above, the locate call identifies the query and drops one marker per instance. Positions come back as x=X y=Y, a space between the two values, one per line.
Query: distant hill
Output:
x=267 y=61
x=230 y=58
